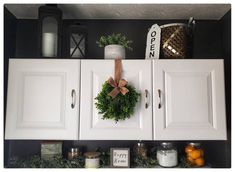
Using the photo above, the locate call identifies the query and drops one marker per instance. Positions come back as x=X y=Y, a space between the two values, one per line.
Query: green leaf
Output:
x=114 y=39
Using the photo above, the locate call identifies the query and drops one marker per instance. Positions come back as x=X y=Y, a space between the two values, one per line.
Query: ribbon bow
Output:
x=117 y=83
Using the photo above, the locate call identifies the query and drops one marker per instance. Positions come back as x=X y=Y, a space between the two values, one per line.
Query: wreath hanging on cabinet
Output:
x=117 y=99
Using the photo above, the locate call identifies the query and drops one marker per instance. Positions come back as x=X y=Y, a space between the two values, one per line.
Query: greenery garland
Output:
x=58 y=161
x=119 y=108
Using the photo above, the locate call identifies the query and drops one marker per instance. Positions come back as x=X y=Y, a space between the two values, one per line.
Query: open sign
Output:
x=153 y=42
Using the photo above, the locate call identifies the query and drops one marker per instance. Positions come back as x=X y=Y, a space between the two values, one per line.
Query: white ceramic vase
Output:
x=114 y=51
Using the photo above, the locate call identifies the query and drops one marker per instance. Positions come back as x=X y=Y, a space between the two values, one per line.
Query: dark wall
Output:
x=207 y=39
x=10 y=23
x=27 y=38
x=211 y=40
x=226 y=51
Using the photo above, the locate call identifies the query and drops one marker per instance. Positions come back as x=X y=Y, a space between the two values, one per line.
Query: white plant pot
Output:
x=114 y=51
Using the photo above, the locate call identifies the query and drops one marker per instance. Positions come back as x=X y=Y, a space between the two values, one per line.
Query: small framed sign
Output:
x=120 y=157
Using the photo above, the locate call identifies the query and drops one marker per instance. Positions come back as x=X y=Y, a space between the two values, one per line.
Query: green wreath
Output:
x=119 y=108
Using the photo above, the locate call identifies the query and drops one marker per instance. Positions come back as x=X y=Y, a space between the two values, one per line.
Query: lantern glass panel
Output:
x=49 y=37
x=77 y=45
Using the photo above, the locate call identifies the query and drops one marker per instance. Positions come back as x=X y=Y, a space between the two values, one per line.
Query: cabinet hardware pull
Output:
x=146 y=99
x=160 y=99
x=73 y=95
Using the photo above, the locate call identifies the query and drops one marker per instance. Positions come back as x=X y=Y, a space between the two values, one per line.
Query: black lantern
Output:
x=76 y=41
x=50 y=29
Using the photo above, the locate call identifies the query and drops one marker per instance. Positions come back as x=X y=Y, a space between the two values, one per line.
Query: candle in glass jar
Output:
x=92 y=159
x=73 y=153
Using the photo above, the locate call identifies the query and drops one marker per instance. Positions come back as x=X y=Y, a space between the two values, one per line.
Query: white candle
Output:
x=49 y=44
x=92 y=163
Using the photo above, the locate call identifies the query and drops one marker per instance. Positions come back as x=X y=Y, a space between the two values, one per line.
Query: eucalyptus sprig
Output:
x=104 y=157
x=115 y=39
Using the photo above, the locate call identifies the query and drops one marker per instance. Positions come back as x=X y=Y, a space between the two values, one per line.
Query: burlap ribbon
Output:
x=118 y=83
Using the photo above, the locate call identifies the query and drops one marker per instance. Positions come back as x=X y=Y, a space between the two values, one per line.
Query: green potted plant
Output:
x=114 y=45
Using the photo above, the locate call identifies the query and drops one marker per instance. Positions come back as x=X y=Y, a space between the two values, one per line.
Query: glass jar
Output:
x=92 y=159
x=167 y=155
x=140 y=150
x=195 y=154
x=73 y=153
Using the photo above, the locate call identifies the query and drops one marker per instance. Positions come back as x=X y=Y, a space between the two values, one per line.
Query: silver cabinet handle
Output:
x=146 y=99
x=160 y=99
x=73 y=95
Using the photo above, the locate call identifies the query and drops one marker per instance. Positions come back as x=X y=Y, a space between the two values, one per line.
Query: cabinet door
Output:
x=93 y=74
x=39 y=99
x=192 y=100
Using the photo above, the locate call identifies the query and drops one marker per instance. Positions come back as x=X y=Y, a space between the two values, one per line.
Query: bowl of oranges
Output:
x=195 y=155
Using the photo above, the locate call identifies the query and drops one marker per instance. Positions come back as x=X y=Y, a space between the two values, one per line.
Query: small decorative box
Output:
x=50 y=148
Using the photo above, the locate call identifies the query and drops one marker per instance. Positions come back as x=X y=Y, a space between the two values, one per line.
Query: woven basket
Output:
x=176 y=41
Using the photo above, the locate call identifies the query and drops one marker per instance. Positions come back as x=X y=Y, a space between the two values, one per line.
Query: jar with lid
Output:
x=140 y=150
x=73 y=153
x=92 y=159
x=167 y=155
x=195 y=154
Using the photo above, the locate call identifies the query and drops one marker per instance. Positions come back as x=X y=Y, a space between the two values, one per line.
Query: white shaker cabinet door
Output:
x=92 y=127
x=42 y=99
x=189 y=100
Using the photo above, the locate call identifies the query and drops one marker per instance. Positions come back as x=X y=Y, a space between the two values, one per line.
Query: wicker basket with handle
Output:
x=176 y=41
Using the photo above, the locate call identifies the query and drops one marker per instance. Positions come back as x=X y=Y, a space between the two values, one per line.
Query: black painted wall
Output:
x=226 y=51
x=212 y=39
x=10 y=25
x=207 y=40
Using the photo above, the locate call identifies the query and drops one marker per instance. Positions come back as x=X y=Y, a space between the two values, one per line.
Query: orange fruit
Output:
x=195 y=154
x=190 y=160
x=202 y=152
x=189 y=148
x=199 y=162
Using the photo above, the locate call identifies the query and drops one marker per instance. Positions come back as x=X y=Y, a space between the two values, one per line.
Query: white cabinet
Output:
x=189 y=100
x=92 y=127
x=42 y=100
x=185 y=100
